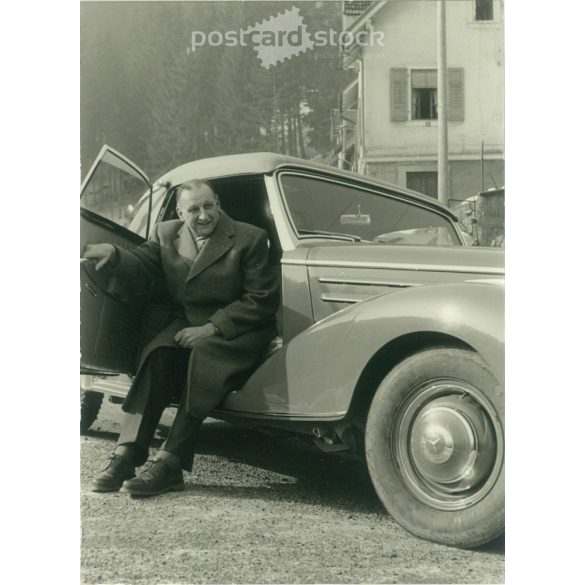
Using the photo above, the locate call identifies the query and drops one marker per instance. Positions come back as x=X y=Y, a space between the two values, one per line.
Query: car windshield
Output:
x=340 y=211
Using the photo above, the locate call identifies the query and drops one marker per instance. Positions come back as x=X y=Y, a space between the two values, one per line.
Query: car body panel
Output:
x=314 y=376
x=346 y=274
x=297 y=309
x=110 y=315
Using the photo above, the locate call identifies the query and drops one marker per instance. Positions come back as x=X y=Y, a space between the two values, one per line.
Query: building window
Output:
x=484 y=9
x=423 y=182
x=413 y=95
x=424 y=94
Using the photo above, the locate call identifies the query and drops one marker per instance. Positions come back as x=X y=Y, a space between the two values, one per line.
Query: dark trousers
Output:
x=162 y=380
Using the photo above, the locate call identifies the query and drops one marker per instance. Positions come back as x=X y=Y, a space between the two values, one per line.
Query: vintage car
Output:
x=391 y=332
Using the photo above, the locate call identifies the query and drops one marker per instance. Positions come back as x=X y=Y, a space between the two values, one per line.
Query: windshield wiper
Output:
x=335 y=235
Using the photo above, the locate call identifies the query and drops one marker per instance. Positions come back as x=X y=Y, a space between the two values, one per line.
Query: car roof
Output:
x=260 y=163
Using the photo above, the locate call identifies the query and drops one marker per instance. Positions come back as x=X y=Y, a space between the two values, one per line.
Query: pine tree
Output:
x=146 y=93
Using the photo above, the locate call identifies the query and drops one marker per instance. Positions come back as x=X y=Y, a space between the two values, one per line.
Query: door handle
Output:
x=91 y=291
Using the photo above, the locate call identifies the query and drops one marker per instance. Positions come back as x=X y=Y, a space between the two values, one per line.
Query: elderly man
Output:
x=225 y=297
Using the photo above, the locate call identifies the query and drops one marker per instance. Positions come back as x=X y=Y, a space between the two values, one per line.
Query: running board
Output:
x=110 y=386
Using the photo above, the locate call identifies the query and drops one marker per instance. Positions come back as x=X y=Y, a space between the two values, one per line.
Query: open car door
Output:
x=111 y=312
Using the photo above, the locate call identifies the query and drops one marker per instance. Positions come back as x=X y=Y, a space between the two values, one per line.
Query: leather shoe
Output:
x=113 y=476
x=159 y=478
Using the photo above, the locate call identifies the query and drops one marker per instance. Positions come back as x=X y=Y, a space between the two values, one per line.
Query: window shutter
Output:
x=455 y=94
x=398 y=94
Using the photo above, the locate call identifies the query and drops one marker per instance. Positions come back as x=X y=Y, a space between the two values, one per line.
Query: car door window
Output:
x=332 y=209
x=111 y=311
x=112 y=190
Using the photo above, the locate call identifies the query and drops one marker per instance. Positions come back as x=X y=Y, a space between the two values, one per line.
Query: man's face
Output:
x=199 y=209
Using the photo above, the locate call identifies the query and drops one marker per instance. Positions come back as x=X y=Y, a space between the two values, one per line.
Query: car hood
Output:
x=455 y=259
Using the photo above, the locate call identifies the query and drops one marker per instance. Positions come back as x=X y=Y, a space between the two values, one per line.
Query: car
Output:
x=391 y=330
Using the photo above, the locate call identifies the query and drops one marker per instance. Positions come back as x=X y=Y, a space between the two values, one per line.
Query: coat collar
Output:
x=218 y=244
x=185 y=245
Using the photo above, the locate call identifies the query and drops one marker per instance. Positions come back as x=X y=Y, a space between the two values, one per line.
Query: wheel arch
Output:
x=386 y=359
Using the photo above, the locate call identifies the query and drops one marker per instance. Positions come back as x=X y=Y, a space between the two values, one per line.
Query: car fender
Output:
x=316 y=374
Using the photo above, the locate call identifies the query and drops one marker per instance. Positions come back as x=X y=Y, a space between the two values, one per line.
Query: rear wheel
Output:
x=435 y=447
x=91 y=403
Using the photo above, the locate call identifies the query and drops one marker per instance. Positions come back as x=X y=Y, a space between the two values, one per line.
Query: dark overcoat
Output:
x=230 y=284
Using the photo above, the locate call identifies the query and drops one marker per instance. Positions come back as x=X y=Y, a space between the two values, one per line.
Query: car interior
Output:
x=243 y=199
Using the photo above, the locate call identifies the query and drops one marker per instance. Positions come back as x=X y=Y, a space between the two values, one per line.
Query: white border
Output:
x=545 y=326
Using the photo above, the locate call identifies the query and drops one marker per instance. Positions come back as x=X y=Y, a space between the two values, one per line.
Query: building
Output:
x=388 y=116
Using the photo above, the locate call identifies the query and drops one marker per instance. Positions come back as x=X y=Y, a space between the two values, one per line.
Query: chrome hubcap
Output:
x=448 y=443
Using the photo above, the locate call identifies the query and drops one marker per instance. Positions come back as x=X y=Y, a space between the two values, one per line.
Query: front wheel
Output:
x=435 y=447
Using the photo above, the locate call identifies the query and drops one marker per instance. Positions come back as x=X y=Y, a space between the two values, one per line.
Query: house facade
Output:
x=388 y=114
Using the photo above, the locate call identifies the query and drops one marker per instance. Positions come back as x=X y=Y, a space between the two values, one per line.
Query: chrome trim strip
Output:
x=280 y=415
x=331 y=299
x=293 y=262
x=413 y=267
x=494 y=281
x=368 y=282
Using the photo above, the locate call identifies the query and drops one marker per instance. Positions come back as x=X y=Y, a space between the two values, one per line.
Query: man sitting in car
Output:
x=225 y=297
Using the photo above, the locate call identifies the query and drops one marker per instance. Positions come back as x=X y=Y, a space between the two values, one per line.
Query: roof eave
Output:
x=359 y=22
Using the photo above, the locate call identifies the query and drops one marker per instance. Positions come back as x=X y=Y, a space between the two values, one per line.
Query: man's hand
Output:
x=188 y=336
x=100 y=254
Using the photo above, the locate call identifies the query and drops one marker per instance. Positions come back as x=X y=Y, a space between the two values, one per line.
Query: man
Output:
x=225 y=296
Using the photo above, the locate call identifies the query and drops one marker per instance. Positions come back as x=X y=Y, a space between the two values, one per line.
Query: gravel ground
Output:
x=258 y=510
